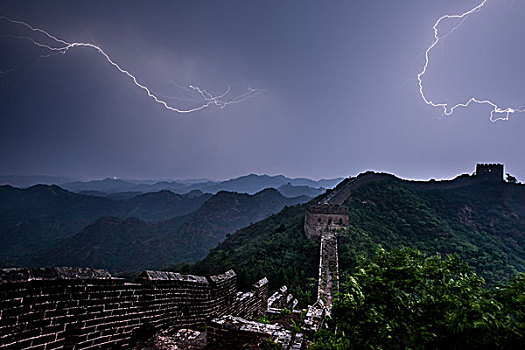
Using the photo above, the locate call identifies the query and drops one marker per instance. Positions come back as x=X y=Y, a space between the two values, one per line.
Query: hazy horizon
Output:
x=159 y=179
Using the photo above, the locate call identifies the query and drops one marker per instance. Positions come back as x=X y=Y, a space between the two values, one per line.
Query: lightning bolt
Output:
x=61 y=46
x=4 y=72
x=497 y=112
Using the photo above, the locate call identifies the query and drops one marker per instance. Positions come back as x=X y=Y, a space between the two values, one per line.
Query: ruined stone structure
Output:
x=231 y=332
x=314 y=318
x=78 y=308
x=322 y=217
x=281 y=299
x=490 y=171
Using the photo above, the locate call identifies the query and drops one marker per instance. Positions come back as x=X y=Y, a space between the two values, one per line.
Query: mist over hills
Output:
x=33 y=218
x=48 y=225
x=245 y=184
x=132 y=244
x=289 y=190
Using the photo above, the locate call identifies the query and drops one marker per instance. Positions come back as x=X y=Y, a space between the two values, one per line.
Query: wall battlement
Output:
x=87 y=308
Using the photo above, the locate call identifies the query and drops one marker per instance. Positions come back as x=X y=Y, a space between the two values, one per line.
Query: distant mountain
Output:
x=324 y=183
x=113 y=195
x=245 y=184
x=289 y=190
x=39 y=216
x=157 y=206
x=132 y=244
x=254 y=183
x=30 y=180
x=251 y=183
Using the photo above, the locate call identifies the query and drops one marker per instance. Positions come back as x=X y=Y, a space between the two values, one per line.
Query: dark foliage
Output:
x=123 y=245
x=483 y=223
x=275 y=248
x=405 y=300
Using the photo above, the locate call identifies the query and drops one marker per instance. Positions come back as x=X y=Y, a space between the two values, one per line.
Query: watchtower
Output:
x=321 y=217
x=492 y=172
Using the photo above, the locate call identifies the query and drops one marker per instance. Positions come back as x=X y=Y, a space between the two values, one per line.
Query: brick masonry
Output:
x=230 y=332
x=79 y=308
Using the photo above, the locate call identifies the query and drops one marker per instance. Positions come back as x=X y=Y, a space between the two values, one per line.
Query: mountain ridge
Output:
x=251 y=184
x=131 y=244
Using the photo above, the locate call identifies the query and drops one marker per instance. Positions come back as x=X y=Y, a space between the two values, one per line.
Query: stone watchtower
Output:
x=491 y=172
x=320 y=217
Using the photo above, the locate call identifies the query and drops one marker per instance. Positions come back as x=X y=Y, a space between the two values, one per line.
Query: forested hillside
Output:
x=482 y=222
x=274 y=247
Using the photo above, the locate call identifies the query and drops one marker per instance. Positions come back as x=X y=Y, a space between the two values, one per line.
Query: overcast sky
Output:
x=339 y=93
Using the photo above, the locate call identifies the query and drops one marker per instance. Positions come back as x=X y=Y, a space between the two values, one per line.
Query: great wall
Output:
x=82 y=308
x=87 y=308
x=329 y=217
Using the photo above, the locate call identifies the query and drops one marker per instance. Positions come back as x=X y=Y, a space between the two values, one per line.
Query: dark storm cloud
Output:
x=340 y=94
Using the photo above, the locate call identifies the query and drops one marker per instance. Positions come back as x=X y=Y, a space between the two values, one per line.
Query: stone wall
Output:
x=248 y=305
x=328 y=283
x=229 y=332
x=87 y=308
x=281 y=299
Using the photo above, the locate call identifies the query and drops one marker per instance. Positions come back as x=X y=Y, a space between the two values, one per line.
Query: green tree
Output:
x=404 y=300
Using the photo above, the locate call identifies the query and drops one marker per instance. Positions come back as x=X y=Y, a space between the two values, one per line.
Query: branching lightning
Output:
x=497 y=112
x=203 y=97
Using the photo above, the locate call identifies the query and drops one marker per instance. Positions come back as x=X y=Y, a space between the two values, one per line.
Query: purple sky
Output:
x=340 y=91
